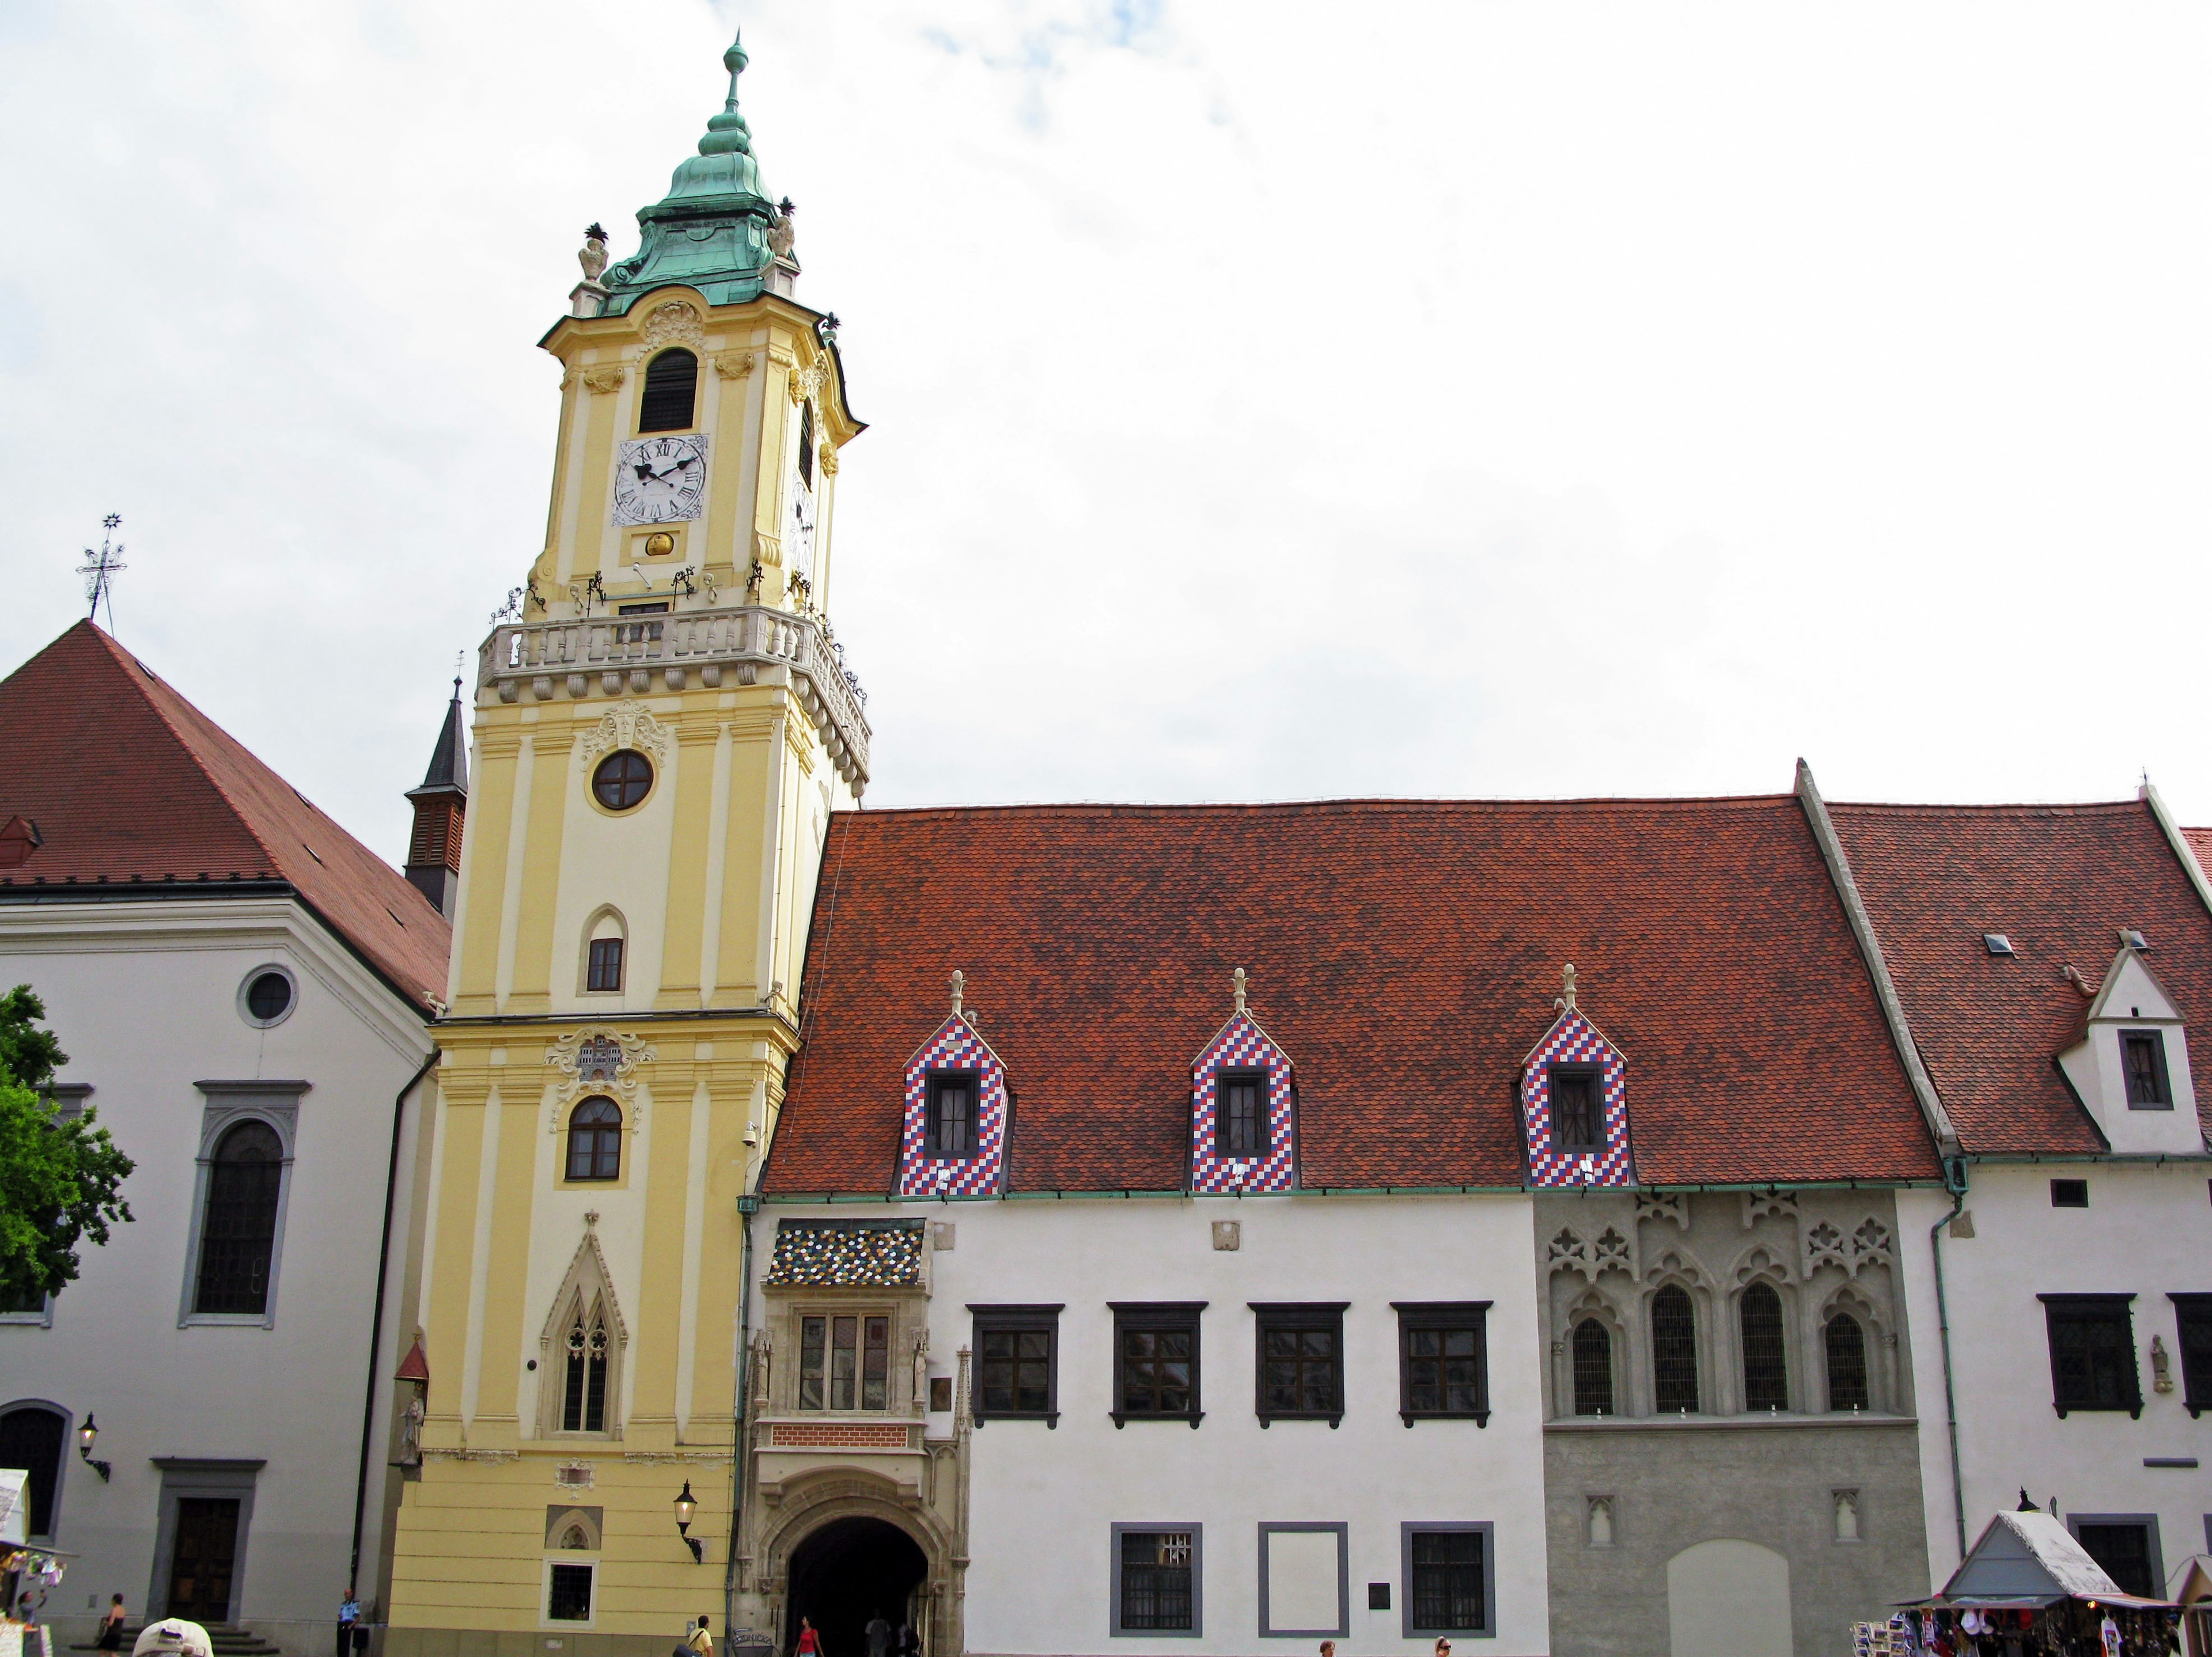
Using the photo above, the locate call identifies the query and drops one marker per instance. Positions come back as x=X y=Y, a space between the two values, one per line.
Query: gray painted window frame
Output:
x=219 y=1481
x=1343 y=1534
x=1197 y=1629
x=1488 y=1528
x=2147 y=1520
x=68 y=1099
x=226 y=1104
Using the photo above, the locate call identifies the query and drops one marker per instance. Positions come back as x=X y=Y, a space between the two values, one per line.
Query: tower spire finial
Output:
x=1239 y=984
x=727 y=133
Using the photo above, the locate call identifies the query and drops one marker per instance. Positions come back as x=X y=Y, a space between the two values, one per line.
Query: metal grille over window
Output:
x=1765 y=1365
x=1847 y=1363
x=2093 y=1357
x=584 y=1391
x=2143 y=1055
x=671 y=391
x=1593 y=1361
x=239 y=1233
x=1673 y=1351
x=844 y=1363
x=568 y=1594
x=2125 y=1552
x=1447 y=1586
x=595 y=1140
x=1155 y=1580
x=1242 y=1120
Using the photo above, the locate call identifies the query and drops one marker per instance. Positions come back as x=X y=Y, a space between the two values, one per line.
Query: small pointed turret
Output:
x=434 y=850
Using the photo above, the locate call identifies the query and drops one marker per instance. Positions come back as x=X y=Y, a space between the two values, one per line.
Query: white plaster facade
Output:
x=145 y=998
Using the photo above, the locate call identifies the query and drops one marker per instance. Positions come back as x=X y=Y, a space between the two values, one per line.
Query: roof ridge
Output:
x=1357 y=803
x=1987 y=807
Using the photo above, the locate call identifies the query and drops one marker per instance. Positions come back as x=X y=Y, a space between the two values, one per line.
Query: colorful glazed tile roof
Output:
x=1405 y=954
x=851 y=1254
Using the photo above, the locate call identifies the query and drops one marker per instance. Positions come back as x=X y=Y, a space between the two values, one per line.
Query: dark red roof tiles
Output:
x=1406 y=955
x=2060 y=881
x=129 y=782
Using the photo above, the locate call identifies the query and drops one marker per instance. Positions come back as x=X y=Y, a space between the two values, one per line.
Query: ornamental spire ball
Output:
x=727 y=133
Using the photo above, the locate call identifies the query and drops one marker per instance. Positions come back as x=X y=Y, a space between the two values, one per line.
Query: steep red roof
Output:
x=2200 y=841
x=2060 y=881
x=1406 y=955
x=130 y=783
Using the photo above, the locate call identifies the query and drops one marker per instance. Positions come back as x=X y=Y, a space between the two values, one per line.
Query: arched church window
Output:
x=31 y=1437
x=584 y=1387
x=1593 y=1360
x=672 y=393
x=1765 y=1365
x=1847 y=1363
x=806 y=444
x=595 y=1140
x=1673 y=1351
x=237 y=1235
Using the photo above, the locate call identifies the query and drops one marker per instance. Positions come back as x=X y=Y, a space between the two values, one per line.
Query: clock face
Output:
x=661 y=480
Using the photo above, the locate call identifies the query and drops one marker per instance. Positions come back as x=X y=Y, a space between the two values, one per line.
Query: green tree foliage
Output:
x=60 y=1181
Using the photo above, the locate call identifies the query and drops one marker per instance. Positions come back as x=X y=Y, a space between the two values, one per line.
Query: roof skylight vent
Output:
x=1996 y=943
x=2134 y=939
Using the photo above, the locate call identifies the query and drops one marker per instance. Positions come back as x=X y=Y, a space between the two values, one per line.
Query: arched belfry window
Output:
x=239 y=1233
x=672 y=393
x=1765 y=1363
x=806 y=445
x=595 y=1140
x=1673 y=1351
x=1593 y=1368
x=1847 y=1363
x=584 y=1374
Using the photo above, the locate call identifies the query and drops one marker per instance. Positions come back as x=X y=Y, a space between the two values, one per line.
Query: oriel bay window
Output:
x=1017 y=1363
x=2092 y=1353
x=844 y=1362
x=1300 y=1361
x=1156 y=1360
x=1443 y=1362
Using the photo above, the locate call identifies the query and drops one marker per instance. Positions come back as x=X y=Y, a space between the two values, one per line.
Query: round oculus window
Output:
x=266 y=996
x=621 y=779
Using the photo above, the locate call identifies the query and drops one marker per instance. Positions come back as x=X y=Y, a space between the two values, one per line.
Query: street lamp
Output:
x=686 y=1507
x=85 y=1436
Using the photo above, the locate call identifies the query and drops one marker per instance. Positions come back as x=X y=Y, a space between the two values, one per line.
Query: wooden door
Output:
x=199 y=1572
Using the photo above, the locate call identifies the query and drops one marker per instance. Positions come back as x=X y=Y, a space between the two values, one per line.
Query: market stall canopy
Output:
x=2025 y=1561
x=14 y=1505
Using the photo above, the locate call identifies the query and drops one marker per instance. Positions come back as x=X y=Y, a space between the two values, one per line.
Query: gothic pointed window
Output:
x=1673 y=1351
x=1847 y=1362
x=1765 y=1367
x=1593 y=1361
x=584 y=1382
x=237 y=1235
x=671 y=393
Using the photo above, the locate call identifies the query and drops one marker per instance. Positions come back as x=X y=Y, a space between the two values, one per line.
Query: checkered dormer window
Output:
x=1574 y=1102
x=954 y=1140
x=1242 y=1136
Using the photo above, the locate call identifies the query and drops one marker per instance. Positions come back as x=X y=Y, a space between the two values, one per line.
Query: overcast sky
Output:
x=1267 y=400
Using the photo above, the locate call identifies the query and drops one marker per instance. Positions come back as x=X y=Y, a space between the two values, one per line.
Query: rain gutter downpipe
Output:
x=748 y=1206
x=1955 y=1169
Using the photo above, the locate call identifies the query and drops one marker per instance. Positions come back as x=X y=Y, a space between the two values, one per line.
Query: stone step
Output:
x=227 y=1641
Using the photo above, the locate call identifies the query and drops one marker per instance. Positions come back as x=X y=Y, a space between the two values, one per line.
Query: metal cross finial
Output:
x=100 y=568
x=1240 y=981
x=959 y=989
x=1567 y=979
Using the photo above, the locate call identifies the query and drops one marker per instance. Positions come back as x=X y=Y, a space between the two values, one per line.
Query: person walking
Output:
x=809 y=1642
x=909 y=1642
x=699 y=1642
x=111 y=1625
x=880 y=1636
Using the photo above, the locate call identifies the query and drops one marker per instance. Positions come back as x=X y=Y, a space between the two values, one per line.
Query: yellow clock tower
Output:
x=663 y=724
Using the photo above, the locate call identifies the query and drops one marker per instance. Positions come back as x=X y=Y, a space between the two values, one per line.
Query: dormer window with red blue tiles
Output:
x=953 y=1142
x=1242 y=1137
x=1574 y=1103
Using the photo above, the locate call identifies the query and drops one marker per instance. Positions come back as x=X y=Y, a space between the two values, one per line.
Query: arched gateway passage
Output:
x=850 y=1570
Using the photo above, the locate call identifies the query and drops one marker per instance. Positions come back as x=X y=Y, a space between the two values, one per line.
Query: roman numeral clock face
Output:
x=660 y=480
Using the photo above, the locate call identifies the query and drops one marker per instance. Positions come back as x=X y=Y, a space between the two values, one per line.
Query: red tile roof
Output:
x=1404 y=955
x=2059 y=881
x=130 y=783
x=2200 y=841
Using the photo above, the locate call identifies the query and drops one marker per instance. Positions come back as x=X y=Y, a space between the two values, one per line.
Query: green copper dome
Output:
x=710 y=231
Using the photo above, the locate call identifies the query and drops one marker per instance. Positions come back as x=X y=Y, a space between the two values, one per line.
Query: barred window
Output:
x=1593 y=1361
x=1576 y=1122
x=1847 y=1363
x=1448 y=1590
x=237 y=1235
x=2123 y=1548
x=1673 y=1351
x=1157 y=1592
x=1240 y=1118
x=1016 y=1368
x=595 y=1140
x=843 y=1360
x=2092 y=1353
x=568 y=1594
x=1765 y=1363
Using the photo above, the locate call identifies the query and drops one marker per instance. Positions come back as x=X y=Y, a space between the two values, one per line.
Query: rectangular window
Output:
x=2069 y=1193
x=951 y=1126
x=1240 y=1116
x=2143 y=1056
x=1450 y=1579
x=2126 y=1546
x=569 y=1593
x=605 y=970
x=1443 y=1360
x=813 y=1337
x=1300 y=1360
x=2193 y=1313
x=844 y=1362
x=1017 y=1363
x=1157 y=1580
x=1156 y=1360
x=2092 y=1353
x=1578 y=1121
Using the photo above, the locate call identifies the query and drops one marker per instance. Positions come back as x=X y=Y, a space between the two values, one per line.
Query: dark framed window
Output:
x=1845 y=1341
x=33 y=1436
x=584 y=1382
x=1156 y=1354
x=2143 y=1059
x=1450 y=1579
x=844 y=1362
x=237 y=1235
x=1017 y=1363
x=950 y=1129
x=1300 y=1360
x=1766 y=1359
x=2192 y=1313
x=2092 y=1353
x=1240 y=1113
x=595 y=1129
x=621 y=779
x=602 y=971
x=806 y=444
x=2069 y=1193
x=1444 y=1361
x=1157 y=1579
x=1591 y=1352
x=2126 y=1546
x=1673 y=1351
x=268 y=997
x=671 y=393
x=1577 y=1115
x=569 y=1593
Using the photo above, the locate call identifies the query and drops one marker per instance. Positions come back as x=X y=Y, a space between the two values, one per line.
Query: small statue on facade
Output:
x=593 y=256
x=781 y=233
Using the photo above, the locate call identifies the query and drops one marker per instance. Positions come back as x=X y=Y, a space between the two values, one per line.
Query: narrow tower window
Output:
x=951 y=1131
x=671 y=389
x=1593 y=1357
x=1673 y=1351
x=1240 y=1121
x=1765 y=1373
x=604 y=971
x=1847 y=1363
x=1576 y=1121
x=583 y=1393
x=239 y=1233
x=806 y=445
x=595 y=1140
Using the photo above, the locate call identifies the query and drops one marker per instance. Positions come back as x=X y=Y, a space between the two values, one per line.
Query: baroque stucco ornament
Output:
x=596 y=1059
x=734 y=365
x=629 y=725
x=676 y=323
x=807 y=381
x=608 y=379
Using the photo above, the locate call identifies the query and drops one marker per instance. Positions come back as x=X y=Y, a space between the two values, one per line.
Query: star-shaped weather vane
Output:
x=100 y=568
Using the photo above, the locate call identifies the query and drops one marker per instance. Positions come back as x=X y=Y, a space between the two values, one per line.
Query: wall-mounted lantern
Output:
x=686 y=1508
x=85 y=1436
